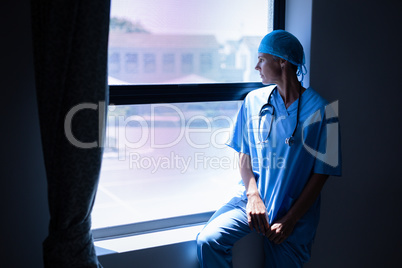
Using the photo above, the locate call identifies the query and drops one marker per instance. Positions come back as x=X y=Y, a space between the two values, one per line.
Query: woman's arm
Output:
x=281 y=229
x=256 y=211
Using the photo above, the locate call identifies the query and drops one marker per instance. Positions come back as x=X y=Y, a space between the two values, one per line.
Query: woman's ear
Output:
x=282 y=62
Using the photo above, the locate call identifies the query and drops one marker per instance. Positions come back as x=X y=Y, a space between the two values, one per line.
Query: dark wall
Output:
x=24 y=215
x=356 y=59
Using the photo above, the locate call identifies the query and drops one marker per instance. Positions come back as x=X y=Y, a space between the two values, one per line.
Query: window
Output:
x=159 y=156
x=206 y=62
x=149 y=63
x=131 y=63
x=114 y=63
x=165 y=152
x=168 y=63
x=187 y=63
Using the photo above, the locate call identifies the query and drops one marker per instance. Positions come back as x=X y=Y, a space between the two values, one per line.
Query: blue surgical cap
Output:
x=284 y=45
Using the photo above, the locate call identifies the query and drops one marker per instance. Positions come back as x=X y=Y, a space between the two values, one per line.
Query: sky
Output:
x=226 y=19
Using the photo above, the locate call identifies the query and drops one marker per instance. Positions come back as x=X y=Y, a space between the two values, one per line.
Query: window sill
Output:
x=148 y=240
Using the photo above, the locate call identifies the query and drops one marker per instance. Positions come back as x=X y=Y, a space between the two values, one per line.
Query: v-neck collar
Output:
x=292 y=107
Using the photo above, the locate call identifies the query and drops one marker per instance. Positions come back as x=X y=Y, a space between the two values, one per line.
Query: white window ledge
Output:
x=148 y=240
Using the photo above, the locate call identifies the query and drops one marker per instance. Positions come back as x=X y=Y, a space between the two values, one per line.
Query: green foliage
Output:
x=127 y=26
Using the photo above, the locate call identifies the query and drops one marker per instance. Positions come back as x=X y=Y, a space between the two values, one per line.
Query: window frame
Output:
x=177 y=93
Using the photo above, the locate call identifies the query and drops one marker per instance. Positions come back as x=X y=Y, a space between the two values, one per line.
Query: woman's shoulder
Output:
x=314 y=98
x=260 y=93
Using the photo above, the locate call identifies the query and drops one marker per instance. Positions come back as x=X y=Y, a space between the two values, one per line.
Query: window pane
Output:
x=206 y=62
x=114 y=63
x=166 y=160
x=149 y=63
x=187 y=63
x=168 y=63
x=213 y=41
x=131 y=62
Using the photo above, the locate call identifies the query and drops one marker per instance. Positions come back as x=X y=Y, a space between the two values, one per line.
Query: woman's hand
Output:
x=257 y=214
x=281 y=229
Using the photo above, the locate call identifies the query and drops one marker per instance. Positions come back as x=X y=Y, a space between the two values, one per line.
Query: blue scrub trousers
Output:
x=227 y=226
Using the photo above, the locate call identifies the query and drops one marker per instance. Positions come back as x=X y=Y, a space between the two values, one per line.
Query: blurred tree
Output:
x=127 y=26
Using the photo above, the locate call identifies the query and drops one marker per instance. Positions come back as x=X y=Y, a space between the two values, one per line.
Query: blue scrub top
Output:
x=281 y=170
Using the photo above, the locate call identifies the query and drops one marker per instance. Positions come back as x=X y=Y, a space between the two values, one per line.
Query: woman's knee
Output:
x=204 y=238
x=210 y=238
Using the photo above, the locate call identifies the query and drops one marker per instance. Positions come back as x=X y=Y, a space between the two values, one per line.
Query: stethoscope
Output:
x=269 y=108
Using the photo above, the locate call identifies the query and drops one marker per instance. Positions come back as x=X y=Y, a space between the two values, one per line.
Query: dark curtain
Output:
x=70 y=40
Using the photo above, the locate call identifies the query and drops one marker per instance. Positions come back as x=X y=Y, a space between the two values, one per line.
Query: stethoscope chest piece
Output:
x=290 y=141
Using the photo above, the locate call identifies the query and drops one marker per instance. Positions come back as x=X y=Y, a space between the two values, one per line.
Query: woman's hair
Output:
x=294 y=67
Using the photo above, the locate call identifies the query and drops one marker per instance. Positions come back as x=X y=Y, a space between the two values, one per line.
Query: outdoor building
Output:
x=144 y=58
x=246 y=57
x=156 y=58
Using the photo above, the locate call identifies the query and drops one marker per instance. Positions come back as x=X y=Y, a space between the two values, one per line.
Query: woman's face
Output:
x=269 y=68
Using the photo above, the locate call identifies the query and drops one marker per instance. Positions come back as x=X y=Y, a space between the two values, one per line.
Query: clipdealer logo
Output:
x=331 y=155
x=147 y=129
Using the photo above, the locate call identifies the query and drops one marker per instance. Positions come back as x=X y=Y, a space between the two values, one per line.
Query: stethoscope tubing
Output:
x=289 y=141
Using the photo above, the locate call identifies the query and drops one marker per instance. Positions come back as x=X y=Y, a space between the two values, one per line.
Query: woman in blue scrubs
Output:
x=287 y=137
